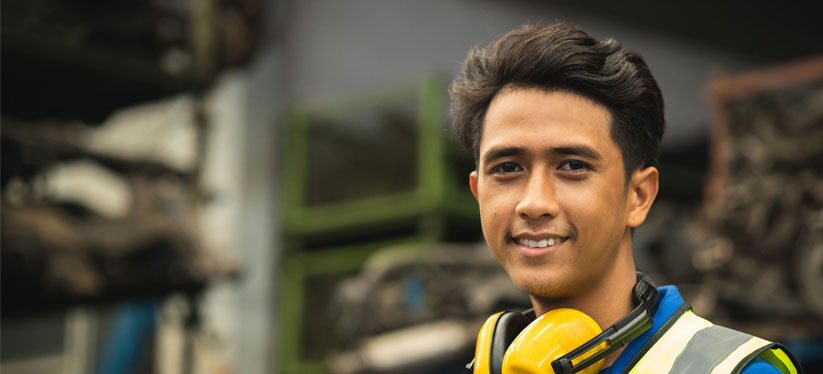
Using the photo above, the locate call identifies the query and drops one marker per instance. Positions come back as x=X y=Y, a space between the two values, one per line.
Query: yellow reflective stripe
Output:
x=780 y=360
x=662 y=355
x=769 y=356
x=483 y=349
x=739 y=354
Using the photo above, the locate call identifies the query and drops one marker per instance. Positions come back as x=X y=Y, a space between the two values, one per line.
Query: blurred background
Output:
x=249 y=186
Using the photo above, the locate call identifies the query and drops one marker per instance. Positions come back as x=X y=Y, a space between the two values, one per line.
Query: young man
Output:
x=565 y=130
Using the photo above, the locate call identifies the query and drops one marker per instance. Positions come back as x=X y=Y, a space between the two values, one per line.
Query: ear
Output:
x=473 y=183
x=642 y=192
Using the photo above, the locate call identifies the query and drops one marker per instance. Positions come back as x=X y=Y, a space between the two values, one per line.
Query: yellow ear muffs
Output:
x=509 y=344
x=561 y=341
x=549 y=337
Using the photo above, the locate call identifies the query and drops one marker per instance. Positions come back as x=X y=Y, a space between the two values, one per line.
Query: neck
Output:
x=606 y=301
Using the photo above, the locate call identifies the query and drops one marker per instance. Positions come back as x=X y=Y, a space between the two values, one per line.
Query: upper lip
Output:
x=533 y=236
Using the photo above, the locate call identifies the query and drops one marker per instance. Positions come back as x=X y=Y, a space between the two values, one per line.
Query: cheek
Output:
x=493 y=213
x=492 y=204
x=592 y=210
x=490 y=218
x=578 y=202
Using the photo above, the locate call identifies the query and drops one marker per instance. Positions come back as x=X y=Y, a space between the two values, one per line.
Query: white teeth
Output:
x=542 y=243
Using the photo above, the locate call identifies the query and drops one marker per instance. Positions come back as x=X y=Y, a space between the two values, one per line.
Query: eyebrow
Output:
x=496 y=153
x=576 y=150
x=570 y=150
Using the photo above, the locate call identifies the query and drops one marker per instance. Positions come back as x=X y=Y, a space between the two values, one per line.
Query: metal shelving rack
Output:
x=328 y=241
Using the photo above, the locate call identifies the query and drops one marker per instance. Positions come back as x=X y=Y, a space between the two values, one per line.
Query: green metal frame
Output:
x=433 y=193
x=298 y=268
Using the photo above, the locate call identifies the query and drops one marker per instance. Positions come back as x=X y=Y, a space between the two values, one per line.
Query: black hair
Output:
x=564 y=57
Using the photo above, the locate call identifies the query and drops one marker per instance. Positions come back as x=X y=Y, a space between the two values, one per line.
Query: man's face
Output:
x=550 y=183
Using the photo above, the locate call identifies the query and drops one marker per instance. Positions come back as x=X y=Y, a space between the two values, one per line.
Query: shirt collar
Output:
x=670 y=300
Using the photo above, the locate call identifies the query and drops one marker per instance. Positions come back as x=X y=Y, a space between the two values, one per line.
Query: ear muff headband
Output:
x=621 y=333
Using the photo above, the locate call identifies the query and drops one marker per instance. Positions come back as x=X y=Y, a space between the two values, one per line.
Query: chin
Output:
x=545 y=291
x=541 y=285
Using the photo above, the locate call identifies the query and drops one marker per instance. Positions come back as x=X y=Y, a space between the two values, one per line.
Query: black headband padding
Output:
x=506 y=329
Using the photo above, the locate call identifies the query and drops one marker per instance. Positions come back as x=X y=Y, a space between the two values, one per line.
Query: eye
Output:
x=506 y=167
x=574 y=165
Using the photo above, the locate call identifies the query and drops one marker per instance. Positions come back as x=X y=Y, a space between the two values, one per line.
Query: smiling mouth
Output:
x=540 y=243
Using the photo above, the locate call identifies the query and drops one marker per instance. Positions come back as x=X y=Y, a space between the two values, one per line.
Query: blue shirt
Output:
x=670 y=300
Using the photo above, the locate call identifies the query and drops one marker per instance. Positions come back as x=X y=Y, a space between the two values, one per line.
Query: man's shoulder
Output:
x=716 y=334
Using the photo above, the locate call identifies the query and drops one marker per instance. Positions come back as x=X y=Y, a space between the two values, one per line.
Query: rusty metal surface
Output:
x=759 y=229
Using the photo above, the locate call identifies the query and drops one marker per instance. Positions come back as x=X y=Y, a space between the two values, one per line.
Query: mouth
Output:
x=536 y=246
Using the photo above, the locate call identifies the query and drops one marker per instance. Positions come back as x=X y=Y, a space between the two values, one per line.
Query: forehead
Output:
x=530 y=117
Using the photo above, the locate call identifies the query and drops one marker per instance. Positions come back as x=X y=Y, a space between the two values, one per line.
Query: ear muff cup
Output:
x=516 y=343
x=508 y=326
x=549 y=337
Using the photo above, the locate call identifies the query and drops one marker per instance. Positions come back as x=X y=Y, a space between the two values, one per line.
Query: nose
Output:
x=539 y=199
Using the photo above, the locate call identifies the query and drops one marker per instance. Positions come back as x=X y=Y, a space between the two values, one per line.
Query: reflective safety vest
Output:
x=690 y=344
